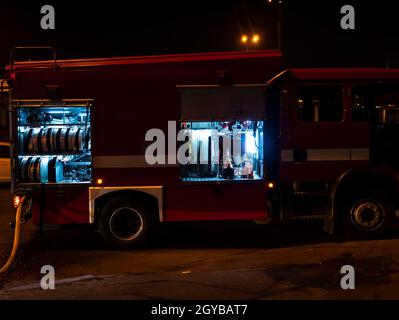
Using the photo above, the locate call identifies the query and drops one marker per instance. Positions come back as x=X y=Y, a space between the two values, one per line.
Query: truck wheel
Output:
x=368 y=215
x=124 y=223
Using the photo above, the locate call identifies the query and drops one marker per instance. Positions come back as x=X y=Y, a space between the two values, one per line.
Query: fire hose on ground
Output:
x=17 y=233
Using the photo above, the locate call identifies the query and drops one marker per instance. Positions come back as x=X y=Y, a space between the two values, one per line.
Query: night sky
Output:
x=311 y=29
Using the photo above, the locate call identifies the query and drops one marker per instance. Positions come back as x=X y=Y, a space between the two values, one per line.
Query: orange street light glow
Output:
x=244 y=38
x=255 y=38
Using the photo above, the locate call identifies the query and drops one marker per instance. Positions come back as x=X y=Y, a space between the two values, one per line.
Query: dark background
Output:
x=312 y=35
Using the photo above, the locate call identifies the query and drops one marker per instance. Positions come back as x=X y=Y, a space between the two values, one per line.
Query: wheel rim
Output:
x=367 y=215
x=126 y=224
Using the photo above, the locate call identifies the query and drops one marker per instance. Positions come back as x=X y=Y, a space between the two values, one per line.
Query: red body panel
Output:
x=131 y=96
x=217 y=202
x=62 y=205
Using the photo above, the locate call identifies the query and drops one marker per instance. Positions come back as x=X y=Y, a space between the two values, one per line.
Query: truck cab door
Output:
x=384 y=124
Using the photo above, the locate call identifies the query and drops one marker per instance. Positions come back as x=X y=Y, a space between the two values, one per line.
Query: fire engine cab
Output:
x=338 y=146
x=263 y=142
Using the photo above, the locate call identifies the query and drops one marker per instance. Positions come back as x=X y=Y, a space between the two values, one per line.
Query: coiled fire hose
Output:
x=17 y=232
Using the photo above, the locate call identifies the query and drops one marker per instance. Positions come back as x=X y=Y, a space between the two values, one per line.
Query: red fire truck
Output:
x=310 y=141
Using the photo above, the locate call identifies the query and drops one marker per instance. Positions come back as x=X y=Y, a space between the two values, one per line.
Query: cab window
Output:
x=320 y=103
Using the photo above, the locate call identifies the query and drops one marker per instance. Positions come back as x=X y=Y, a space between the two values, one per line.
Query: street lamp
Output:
x=248 y=41
x=244 y=39
x=255 y=39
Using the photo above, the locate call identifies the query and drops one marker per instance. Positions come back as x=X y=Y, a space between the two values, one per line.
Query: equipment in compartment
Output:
x=46 y=140
x=41 y=169
x=77 y=169
x=55 y=170
x=52 y=116
x=74 y=140
x=87 y=139
x=54 y=140
x=30 y=169
x=54 y=144
x=227 y=150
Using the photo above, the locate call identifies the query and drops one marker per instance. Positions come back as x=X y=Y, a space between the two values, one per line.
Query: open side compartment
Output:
x=223 y=150
x=53 y=142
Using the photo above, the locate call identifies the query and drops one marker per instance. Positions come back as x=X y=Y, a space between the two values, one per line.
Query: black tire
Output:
x=125 y=223
x=369 y=215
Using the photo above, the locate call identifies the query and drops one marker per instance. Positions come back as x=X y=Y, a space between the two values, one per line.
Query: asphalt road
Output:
x=224 y=260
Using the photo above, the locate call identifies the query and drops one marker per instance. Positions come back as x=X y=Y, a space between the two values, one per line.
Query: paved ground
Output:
x=199 y=261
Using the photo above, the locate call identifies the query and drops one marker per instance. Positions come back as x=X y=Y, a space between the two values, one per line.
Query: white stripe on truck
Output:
x=339 y=154
x=287 y=155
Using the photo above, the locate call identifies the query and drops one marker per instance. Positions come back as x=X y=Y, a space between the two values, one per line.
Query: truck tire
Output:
x=125 y=223
x=368 y=215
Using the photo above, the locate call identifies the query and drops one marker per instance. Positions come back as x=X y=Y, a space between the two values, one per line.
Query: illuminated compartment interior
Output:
x=222 y=151
x=54 y=144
